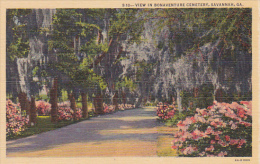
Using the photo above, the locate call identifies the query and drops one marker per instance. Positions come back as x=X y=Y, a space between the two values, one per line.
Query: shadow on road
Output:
x=137 y=124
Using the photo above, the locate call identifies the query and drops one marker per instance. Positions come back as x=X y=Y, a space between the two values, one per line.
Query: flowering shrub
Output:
x=220 y=130
x=125 y=106
x=109 y=108
x=65 y=113
x=165 y=112
x=15 y=122
x=78 y=114
x=43 y=108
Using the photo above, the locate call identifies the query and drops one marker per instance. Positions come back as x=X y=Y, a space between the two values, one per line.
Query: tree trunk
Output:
x=75 y=44
x=23 y=101
x=218 y=95
x=98 y=59
x=179 y=100
x=139 y=102
x=196 y=91
x=100 y=37
x=28 y=107
x=196 y=96
x=123 y=97
x=140 y=99
x=54 y=101
x=84 y=105
x=98 y=102
x=115 y=100
x=33 y=115
x=73 y=105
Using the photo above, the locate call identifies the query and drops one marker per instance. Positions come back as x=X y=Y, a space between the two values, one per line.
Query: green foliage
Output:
x=204 y=98
x=68 y=25
x=143 y=67
x=179 y=116
x=126 y=22
x=19 y=45
x=68 y=63
x=18 y=49
x=126 y=83
x=44 y=30
x=87 y=79
x=236 y=97
x=43 y=124
x=10 y=13
x=92 y=49
x=64 y=95
x=192 y=28
x=151 y=103
x=42 y=97
x=35 y=71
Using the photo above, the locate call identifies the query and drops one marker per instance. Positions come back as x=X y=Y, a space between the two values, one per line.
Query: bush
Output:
x=125 y=106
x=220 y=130
x=201 y=97
x=15 y=122
x=179 y=116
x=65 y=113
x=109 y=108
x=150 y=103
x=165 y=112
x=43 y=108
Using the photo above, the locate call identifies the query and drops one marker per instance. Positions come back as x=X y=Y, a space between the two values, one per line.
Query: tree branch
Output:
x=101 y=56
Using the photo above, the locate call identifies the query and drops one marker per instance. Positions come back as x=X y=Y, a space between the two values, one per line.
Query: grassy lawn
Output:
x=164 y=147
x=44 y=124
x=164 y=142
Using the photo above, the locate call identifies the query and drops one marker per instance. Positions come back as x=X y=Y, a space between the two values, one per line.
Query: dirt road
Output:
x=125 y=133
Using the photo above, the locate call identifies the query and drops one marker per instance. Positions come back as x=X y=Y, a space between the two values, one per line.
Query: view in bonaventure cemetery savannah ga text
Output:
x=129 y=82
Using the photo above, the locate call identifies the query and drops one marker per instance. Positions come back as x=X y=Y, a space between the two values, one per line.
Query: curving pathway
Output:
x=125 y=133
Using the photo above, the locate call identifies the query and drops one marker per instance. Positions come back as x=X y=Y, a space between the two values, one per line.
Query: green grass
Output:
x=43 y=124
x=164 y=147
x=79 y=105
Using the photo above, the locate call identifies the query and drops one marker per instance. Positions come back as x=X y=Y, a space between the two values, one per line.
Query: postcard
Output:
x=129 y=81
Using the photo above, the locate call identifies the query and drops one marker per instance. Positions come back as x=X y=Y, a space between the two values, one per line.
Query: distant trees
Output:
x=125 y=54
x=206 y=46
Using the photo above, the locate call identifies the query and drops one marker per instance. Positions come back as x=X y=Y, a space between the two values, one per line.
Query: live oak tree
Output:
x=217 y=42
x=184 y=50
x=73 y=42
x=17 y=45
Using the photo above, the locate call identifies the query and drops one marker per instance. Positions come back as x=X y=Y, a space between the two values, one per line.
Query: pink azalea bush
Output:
x=109 y=108
x=165 y=112
x=125 y=106
x=220 y=130
x=65 y=113
x=43 y=108
x=15 y=122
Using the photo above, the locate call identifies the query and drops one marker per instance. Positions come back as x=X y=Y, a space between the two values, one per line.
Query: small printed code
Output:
x=240 y=160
